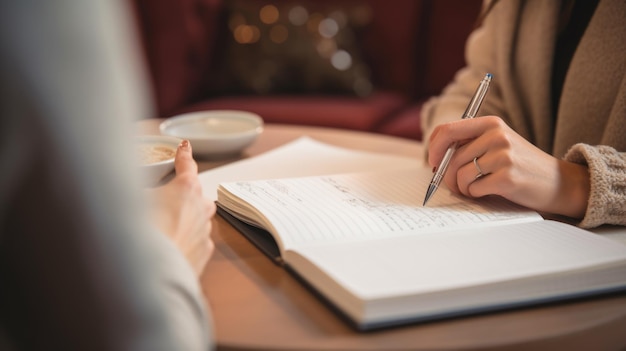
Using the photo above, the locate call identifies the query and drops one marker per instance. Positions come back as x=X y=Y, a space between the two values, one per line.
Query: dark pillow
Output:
x=292 y=47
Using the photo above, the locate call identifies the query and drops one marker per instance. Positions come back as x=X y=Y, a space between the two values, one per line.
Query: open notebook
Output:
x=363 y=241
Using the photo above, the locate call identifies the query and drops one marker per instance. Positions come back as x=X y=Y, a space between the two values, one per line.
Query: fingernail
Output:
x=184 y=144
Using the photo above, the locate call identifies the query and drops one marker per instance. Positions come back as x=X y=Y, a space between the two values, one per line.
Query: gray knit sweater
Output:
x=516 y=44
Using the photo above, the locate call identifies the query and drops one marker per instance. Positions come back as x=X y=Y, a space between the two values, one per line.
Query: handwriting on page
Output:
x=343 y=207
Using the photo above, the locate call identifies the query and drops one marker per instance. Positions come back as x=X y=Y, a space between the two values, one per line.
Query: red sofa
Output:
x=412 y=48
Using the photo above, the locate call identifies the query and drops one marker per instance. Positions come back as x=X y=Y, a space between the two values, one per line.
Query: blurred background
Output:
x=364 y=65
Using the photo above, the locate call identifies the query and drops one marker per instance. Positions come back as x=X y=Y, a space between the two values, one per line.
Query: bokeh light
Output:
x=328 y=28
x=245 y=34
x=341 y=60
x=326 y=47
x=269 y=14
x=298 y=15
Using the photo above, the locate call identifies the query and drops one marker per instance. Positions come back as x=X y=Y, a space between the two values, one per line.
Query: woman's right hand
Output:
x=512 y=167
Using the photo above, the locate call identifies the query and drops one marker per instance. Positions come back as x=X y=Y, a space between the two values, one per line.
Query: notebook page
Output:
x=454 y=260
x=362 y=206
x=320 y=159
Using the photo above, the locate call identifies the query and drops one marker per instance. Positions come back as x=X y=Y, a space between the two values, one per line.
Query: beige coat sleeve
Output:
x=607 y=167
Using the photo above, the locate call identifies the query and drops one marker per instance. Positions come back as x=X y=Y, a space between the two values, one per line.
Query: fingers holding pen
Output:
x=473 y=139
x=492 y=159
x=461 y=131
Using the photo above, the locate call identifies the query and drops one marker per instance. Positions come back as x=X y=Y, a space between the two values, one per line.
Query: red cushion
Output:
x=332 y=111
x=405 y=123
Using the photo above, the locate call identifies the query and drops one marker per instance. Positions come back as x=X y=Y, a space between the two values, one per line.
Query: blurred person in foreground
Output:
x=85 y=262
x=553 y=135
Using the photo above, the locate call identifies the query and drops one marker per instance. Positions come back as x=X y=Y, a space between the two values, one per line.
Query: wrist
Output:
x=575 y=187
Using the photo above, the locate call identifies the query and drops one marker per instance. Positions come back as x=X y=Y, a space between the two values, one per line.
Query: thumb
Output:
x=184 y=162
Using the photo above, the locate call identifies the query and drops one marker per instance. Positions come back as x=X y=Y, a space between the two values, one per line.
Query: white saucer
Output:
x=215 y=133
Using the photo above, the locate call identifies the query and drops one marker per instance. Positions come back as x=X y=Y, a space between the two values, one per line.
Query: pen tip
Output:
x=489 y=75
x=429 y=193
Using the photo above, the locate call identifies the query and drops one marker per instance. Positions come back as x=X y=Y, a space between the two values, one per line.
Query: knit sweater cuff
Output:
x=607 y=171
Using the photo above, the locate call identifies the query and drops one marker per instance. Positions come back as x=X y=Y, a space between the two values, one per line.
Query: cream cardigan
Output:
x=515 y=43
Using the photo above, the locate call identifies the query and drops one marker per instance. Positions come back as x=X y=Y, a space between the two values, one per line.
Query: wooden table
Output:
x=257 y=305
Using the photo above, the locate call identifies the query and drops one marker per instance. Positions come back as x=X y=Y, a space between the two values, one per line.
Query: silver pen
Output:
x=470 y=112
